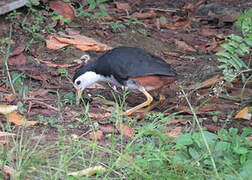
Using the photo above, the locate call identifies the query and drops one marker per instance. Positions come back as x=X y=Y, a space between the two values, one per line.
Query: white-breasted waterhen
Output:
x=129 y=67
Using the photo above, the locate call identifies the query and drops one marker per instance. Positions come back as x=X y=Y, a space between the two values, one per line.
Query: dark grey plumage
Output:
x=124 y=62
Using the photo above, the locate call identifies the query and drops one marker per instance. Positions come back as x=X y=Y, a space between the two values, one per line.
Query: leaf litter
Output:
x=208 y=35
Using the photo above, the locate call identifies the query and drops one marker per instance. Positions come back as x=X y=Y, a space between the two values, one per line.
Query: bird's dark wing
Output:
x=124 y=62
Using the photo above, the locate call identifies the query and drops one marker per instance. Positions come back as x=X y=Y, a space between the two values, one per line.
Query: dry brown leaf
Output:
x=179 y=23
x=97 y=135
x=17 y=60
x=174 y=132
x=9 y=97
x=50 y=64
x=18 y=50
x=6 y=109
x=39 y=93
x=183 y=46
x=98 y=115
x=6 y=136
x=88 y=172
x=248 y=138
x=211 y=128
x=202 y=110
x=107 y=128
x=19 y=119
x=172 y=54
x=10 y=172
x=125 y=130
x=64 y=9
x=79 y=41
x=208 y=32
x=193 y=6
x=53 y=43
x=244 y=114
x=123 y=6
x=207 y=83
x=146 y=15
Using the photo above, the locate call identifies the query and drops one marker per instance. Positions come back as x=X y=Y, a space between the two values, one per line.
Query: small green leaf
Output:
x=248 y=41
x=235 y=37
x=163 y=20
x=195 y=155
x=215 y=119
x=243 y=158
x=92 y=4
x=228 y=48
x=222 y=146
x=184 y=139
x=241 y=150
x=224 y=54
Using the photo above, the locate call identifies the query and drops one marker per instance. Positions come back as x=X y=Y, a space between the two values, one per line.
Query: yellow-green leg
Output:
x=140 y=106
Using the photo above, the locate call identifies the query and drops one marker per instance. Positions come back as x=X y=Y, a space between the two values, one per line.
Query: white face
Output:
x=87 y=79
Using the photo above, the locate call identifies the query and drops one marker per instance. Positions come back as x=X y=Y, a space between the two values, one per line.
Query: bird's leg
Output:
x=144 y=104
x=161 y=99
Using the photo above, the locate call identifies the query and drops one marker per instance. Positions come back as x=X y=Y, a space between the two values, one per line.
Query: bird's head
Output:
x=84 y=80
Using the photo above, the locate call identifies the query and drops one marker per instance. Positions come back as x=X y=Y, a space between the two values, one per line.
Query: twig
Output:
x=36 y=99
x=47 y=105
x=164 y=10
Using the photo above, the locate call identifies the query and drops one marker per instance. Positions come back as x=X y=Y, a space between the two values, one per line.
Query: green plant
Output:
x=98 y=3
x=229 y=150
x=237 y=47
x=18 y=80
x=6 y=57
x=116 y=26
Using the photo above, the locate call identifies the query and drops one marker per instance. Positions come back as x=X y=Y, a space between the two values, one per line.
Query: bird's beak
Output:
x=78 y=93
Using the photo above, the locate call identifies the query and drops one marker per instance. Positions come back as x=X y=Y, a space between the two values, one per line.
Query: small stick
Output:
x=47 y=105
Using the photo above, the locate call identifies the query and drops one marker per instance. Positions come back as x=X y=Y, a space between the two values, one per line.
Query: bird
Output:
x=132 y=68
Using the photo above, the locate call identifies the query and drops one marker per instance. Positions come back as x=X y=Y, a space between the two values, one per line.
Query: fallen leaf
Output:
x=202 y=110
x=179 y=23
x=244 y=114
x=19 y=119
x=123 y=6
x=98 y=115
x=10 y=172
x=97 y=135
x=6 y=109
x=183 y=46
x=6 y=137
x=88 y=172
x=171 y=54
x=17 y=60
x=9 y=97
x=146 y=15
x=107 y=128
x=124 y=129
x=174 y=132
x=64 y=9
x=193 y=6
x=208 y=32
x=207 y=83
x=39 y=93
x=248 y=138
x=63 y=66
x=18 y=50
x=211 y=128
x=79 y=41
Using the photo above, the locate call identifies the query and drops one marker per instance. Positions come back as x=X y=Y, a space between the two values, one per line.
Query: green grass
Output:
x=150 y=154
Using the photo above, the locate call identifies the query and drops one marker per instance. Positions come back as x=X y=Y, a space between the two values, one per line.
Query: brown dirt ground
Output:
x=196 y=67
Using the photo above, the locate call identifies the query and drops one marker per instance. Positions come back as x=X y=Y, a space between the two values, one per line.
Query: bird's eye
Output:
x=78 y=82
